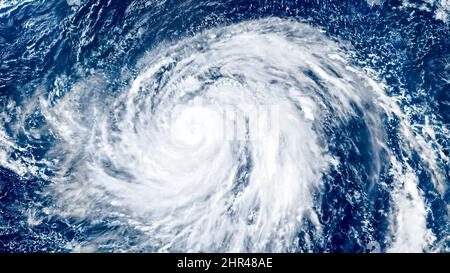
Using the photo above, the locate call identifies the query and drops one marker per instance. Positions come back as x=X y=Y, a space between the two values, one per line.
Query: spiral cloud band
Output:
x=223 y=142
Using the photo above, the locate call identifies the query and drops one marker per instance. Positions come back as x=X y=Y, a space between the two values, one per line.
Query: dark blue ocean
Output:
x=89 y=162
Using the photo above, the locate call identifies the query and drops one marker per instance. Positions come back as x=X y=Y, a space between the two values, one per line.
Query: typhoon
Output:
x=223 y=127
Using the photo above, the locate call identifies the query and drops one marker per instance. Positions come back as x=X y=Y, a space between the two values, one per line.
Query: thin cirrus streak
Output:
x=221 y=143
